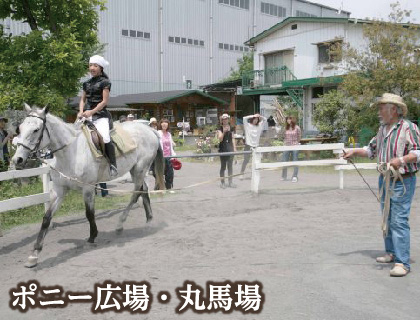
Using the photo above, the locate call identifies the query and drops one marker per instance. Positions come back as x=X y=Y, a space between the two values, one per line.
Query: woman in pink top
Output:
x=167 y=145
x=292 y=136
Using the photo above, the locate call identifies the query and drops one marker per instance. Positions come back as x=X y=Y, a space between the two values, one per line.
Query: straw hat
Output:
x=152 y=120
x=392 y=99
x=225 y=116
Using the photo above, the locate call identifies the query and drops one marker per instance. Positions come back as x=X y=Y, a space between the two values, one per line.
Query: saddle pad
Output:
x=87 y=132
x=123 y=141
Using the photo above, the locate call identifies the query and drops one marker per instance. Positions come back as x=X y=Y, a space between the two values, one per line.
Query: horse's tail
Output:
x=160 y=169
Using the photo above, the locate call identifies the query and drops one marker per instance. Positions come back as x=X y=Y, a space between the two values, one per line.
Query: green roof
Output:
x=289 y=20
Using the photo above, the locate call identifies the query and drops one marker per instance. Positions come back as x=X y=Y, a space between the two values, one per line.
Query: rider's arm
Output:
x=82 y=102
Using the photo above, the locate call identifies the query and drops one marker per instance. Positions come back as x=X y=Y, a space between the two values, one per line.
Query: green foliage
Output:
x=245 y=64
x=45 y=66
x=334 y=114
x=387 y=64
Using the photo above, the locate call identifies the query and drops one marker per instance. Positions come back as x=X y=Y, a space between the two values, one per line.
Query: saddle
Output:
x=122 y=141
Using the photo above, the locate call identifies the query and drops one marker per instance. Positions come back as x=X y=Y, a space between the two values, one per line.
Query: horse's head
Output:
x=33 y=135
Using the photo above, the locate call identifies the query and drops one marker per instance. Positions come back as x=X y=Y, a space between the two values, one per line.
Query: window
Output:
x=329 y=52
x=236 y=48
x=189 y=41
x=225 y=46
x=272 y=9
x=231 y=47
x=135 y=34
x=243 y=4
x=304 y=14
x=220 y=45
x=294 y=26
x=317 y=92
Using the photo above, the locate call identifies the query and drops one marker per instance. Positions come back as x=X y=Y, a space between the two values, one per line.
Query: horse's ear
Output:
x=27 y=108
x=45 y=110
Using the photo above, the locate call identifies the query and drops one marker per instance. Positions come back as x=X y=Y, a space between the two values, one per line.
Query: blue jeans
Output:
x=397 y=241
x=286 y=157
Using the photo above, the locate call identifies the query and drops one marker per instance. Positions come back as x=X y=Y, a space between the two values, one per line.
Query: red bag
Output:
x=176 y=164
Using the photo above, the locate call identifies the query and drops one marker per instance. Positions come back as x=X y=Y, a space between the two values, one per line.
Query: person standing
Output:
x=292 y=136
x=93 y=104
x=253 y=127
x=167 y=144
x=153 y=123
x=5 y=137
x=225 y=134
x=397 y=143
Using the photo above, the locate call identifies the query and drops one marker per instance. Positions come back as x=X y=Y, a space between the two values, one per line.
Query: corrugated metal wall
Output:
x=146 y=64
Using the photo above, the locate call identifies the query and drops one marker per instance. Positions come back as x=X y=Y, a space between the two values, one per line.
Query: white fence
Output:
x=22 y=202
x=257 y=165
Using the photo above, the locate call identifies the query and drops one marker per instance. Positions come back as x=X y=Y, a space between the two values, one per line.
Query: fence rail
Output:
x=23 y=202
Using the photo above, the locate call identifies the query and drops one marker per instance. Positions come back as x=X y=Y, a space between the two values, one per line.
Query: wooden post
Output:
x=341 y=175
x=255 y=180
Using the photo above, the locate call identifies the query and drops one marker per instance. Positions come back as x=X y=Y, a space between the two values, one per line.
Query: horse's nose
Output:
x=19 y=162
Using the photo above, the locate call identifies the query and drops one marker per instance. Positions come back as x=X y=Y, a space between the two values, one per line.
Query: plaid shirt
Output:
x=403 y=138
x=292 y=137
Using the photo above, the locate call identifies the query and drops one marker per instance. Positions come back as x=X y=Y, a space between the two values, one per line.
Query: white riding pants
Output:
x=102 y=124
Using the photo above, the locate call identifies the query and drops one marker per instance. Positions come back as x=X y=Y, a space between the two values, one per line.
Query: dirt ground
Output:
x=311 y=246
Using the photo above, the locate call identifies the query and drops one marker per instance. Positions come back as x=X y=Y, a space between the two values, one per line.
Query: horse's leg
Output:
x=57 y=197
x=134 y=198
x=146 y=202
x=89 y=198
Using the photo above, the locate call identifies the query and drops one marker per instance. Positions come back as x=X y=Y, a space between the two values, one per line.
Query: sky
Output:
x=373 y=8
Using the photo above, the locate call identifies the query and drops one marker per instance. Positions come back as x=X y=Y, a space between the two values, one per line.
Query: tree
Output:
x=388 y=63
x=334 y=114
x=245 y=64
x=45 y=65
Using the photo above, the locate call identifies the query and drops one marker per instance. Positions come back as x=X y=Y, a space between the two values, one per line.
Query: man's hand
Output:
x=395 y=163
x=348 y=154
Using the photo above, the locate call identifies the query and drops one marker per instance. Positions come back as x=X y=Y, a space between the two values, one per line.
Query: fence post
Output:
x=46 y=186
x=341 y=175
x=255 y=180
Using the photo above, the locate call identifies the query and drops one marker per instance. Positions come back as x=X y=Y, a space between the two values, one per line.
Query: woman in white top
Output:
x=253 y=127
x=167 y=144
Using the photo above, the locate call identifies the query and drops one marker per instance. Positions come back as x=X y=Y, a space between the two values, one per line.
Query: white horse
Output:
x=73 y=158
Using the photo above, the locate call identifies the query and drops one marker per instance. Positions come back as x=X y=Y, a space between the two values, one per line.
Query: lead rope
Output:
x=389 y=173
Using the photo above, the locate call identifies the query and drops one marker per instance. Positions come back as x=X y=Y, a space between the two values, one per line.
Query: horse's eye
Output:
x=36 y=130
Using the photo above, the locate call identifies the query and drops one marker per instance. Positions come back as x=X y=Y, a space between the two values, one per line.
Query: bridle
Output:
x=44 y=128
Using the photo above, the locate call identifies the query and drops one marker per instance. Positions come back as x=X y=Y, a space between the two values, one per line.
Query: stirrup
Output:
x=113 y=170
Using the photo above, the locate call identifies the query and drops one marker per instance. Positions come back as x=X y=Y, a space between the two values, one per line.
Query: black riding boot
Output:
x=110 y=153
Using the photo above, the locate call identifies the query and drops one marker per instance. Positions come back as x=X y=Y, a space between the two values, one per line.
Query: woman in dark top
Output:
x=225 y=134
x=93 y=105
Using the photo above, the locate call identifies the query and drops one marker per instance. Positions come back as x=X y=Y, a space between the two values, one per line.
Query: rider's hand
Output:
x=87 y=114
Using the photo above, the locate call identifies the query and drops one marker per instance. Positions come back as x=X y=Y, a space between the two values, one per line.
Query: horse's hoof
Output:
x=119 y=230
x=149 y=219
x=32 y=262
x=91 y=240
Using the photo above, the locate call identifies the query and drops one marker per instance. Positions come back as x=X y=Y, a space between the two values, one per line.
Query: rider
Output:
x=96 y=94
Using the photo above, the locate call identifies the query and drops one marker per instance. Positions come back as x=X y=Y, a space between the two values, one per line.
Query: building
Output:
x=164 y=45
x=294 y=58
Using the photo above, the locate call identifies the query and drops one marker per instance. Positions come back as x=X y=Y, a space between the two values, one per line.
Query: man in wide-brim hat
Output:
x=397 y=143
